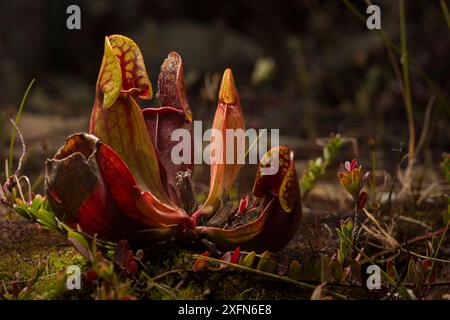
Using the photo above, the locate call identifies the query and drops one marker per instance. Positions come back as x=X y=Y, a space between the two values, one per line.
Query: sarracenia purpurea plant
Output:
x=119 y=181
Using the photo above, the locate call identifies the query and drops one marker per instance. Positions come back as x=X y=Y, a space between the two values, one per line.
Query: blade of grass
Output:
x=254 y=143
x=24 y=148
x=437 y=250
x=157 y=285
x=406 y=83
x=6 y=169
x=445 y=12
x=270 y=275
x=13 y=134
x=426 y=124
x=421 y=256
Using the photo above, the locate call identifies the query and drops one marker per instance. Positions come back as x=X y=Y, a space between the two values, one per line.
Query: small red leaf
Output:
x=235 y=256
x=200 y=264
x=90 y=275
x=121 y=256
x=283 y=265
x=227 y=258
x=353 y=164
x=243 y=205
x=132 y=267
x=362 y=198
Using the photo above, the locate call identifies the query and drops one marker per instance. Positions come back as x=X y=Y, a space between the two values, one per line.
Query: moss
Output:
x=23 y=247
x=54 y=287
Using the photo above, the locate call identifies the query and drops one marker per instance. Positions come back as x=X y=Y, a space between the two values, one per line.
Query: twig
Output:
x=427 y=192
x=418 y=255
x=190 y=271
x=415 y=221
x=270 y=275
x=22 y=197
x=24 y=148
x=157 y=285
x=27 y=181
x=426 y=236
x=167 y=273
x=382 y=233
x=439 y=283
x=13 y=134
x=411 y=241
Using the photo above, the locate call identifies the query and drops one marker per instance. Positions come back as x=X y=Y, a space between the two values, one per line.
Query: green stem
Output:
x=355 y=222
x=445 y=12
x=438 y=248
x=374 y=165
x=157 y=285
x=13 y=134
x=406 y=83
x=270 y=275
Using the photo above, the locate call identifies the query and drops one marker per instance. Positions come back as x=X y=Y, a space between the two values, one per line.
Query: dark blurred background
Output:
x=307 y=67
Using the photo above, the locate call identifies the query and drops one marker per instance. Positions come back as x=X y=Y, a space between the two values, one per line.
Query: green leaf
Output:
x=37 y=201
x=355 y=268
x=325 y=271
x=342 y=256
x=411 y=275
x=46 y=217
x=446 y=215
x=295 y=270
x=45 y=225
x=249 y=259
x=266 y=263
x=80 y=244
x=23 y=211
x=311 y=269
x=337 y=270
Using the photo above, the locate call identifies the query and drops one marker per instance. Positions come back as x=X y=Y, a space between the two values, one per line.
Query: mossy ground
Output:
x=23 y=246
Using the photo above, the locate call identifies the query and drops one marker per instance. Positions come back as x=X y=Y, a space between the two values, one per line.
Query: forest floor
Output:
x=25 y=246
